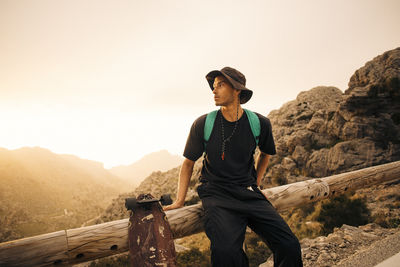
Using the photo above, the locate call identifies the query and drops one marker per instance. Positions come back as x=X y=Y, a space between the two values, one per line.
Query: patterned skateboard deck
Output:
x=151 y=242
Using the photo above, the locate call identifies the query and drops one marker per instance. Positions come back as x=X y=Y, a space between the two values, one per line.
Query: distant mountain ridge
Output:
x=139 y=170
x=41 y=191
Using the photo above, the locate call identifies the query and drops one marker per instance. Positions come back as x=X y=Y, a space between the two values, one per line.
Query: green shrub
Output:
x=342 y=210
x=385 y=220
x=279 y=178
x=194 y=258
x=256 y=250
x=319 y=218
x=301 y=221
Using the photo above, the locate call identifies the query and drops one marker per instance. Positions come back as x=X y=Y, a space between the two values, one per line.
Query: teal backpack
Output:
x=252 y=117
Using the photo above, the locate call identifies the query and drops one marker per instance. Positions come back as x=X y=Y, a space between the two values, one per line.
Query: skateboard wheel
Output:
x=166 y=199
x=165 y=217
x=130 y=203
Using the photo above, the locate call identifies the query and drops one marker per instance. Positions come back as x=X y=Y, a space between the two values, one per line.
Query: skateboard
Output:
x=151 y=242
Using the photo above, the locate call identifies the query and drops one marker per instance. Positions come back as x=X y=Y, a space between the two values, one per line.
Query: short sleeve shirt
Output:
x=237 y=167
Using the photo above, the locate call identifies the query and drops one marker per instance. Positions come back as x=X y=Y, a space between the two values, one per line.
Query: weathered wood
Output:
x=363 y=178
x=297 y=194
x=97 y=241
x=186 y=221
x=43 y=250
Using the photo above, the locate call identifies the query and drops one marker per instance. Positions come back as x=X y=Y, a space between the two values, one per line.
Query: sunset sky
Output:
x=112 y=81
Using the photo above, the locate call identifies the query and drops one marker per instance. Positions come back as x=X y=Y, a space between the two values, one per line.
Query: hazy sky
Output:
x=114 y=80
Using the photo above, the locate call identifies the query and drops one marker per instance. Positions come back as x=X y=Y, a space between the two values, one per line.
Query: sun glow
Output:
x=113 y=81
x=111 y=137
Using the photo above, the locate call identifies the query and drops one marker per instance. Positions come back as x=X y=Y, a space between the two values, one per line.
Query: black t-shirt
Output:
x=238 y=164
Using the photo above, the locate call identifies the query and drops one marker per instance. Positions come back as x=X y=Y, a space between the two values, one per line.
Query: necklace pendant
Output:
x=223 y=156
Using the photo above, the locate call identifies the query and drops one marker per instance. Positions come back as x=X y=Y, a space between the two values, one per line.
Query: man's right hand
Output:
x=173 y=206
x=183 y=185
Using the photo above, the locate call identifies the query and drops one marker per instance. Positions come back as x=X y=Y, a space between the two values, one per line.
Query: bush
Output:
x=301 y=221
x=256 y=250
x=342 y=210
x=194 y=258
x=319 y=218
x=385 y=220
x=279 y=178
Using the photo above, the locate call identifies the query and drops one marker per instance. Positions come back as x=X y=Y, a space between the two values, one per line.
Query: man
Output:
x=229 y=188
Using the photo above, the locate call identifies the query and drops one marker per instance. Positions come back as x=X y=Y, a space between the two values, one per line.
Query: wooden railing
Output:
x=92 y=242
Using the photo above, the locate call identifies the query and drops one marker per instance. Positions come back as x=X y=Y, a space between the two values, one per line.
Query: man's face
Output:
x=224 y=94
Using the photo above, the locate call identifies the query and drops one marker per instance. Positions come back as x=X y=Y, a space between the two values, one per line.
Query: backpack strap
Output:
x=208 y=126
x=254 y=124
x=251 y=116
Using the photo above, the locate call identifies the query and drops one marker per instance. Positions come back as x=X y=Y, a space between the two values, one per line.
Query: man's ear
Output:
x=238 y=93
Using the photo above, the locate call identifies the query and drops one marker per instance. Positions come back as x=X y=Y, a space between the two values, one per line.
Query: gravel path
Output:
x=378 y=252
x=393 y=261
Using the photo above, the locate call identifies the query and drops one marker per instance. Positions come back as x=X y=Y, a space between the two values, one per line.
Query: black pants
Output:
x=229 y=209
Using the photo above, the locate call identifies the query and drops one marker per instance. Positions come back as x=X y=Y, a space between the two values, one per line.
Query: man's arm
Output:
x=261 y=166
x=183 y=184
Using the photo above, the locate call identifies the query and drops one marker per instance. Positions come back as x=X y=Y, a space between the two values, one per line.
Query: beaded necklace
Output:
x=223 y=132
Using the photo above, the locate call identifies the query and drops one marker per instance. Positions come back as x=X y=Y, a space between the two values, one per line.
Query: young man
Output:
x=229 y=188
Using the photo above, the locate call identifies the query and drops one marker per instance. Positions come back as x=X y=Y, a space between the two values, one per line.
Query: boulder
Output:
x=327 y=132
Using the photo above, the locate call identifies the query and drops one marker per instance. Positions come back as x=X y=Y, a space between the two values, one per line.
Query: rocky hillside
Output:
x=42 y=192
x=326 y=132
x=340 y=247
x=157 y=184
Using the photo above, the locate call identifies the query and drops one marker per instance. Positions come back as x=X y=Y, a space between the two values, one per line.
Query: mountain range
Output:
x=41 y=191
x=156 y=161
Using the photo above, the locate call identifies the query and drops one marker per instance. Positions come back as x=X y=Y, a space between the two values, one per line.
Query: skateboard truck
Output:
x=132 y=203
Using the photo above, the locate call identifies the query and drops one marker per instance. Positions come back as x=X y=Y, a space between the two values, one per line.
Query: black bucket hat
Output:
x=235 y=77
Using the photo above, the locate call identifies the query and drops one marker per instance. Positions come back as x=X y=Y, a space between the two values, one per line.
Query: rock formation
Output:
x=325 y=132
x=336 y=248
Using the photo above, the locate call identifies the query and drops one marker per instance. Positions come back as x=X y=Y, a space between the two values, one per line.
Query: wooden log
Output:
x=186 y=221
x=296 y=194
x=97 y=241
x=92 y=242
x=42 y=250
x=300 y=193
x=363 y=178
